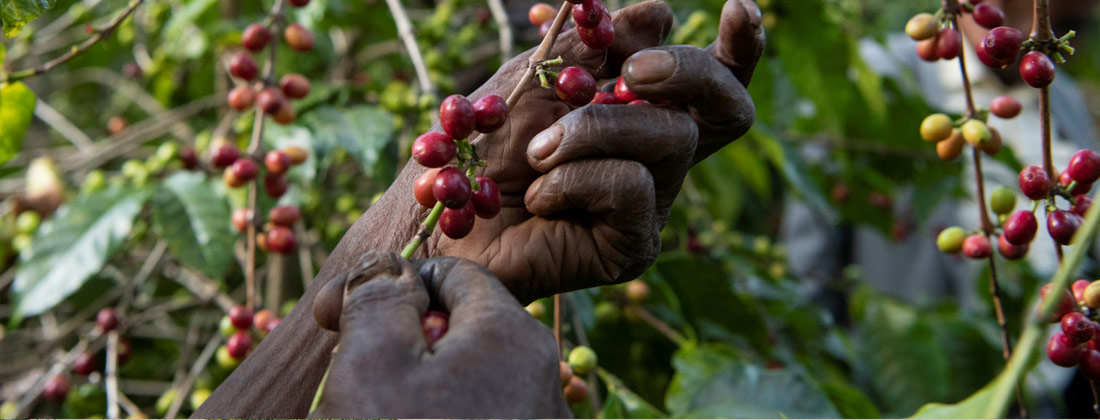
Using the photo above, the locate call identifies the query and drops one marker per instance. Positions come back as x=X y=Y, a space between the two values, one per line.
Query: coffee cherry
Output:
x=1084 y=166
x=951 y=148
x=452 y=187
x=262 y=320
x=926 y=50
x=623 y=93
x=297 y=154
x=976 y=133
x=950 y=240
x=1003 y=43
x=241 y=317
x=255 y=37
x=637 y=291
x=977 y=246
x=456 y=224
x=284 y=215
x=188 y=158
x=294 y=86
x=1020 y=227
x=433 y=150
x=936 y=127
x=277 y=161
x=1005 y=107
x=225 y=327
x=1079 y=188
x=537 y=310
x=434 y=325
x=275 y=185
x=1034 y=182
x=1078 y=288
x=261 y=241
x=224 y=155
x=1078 y=327
x=588 y=14
x=1065 y=301
x=948 y=44
x=270 y=100
x=541 y=13
x=456 y=115
x=106 y=320
x=1090 y=363
x=56 y=388
x=1081 y=205
x=225 y=360
x=422 y=190
x=240 y=98
x=1010 y=251
x=1092 y=295
x=576 y=391
x=241 y=172
x=988 y=60
x=1062 y=225
x=921 y=27
x=994 y=144
x=299 y=3
x=239 y=344
x=606 y=98
x=1036 y=69
x=486 y=199
x=490 y=113
x=85 y=364
x=988 y=16
x=298 y=37
x=582 y=359
x=1063 y=351
x=1002 y=200
x=243 y=66
x=285 y=115
x=575 y=86
x=600 y=37
x=566 y=373
x=241 y=219
x=545 y=29
x=280 y=240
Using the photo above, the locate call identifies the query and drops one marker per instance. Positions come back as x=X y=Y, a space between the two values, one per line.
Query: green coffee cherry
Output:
x=28 y=222
x=225 y=360
x=1002 y=201
x=165 y=400
x=198 y=397
x=582 y=359
x=20 y=242
x=225 y=327
x=94 y=181
x=951 y=240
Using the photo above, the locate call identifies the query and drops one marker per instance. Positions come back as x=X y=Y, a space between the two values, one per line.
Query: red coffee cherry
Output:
x=434 y=325
x=926 y=50
x=541 y=13
x=239 y=344
x=1005 y=107
x=452 y=188
x=457 y=223
x=1010 y=251
x=1090 y=363
x=545 y=29
x=281 y=240
x=271 y=100
x=433 y=150
x=285 y=115
x=1084 y=166
x=1079 y=188
x=1020 y=227
x=566 y=373
x=255 y=37
x=275 y=185
x=423 y=188
x=486 y=199
x=456 y=115
x=575 y=86
x=600 y=37
x=1036 y=69
x=284 y=215
x=85 y=364
x=948 y=44
x=988 y=16
x=299 y=3
x=188 y=158
x=1078 y=327
x=623 y=93
x=106 y=319
x=242 y=65
x=606 y=98
x=277 y=161
x=298 y=37
x=588 y=14
x=1078 y=288
x=1062 y=225
x=241 y=219
x=57 y=388
x=988 y=60
x=490 y=113
x=240 y=98
x=1003 y=44
x=240 y=172
x=1065 y=302
x=640 y=102
x=1081 y=205
x=294 y=86
x=241 y=317
x=977 y=246
x=577 y=390
x=1063 y=351
x=224 y=155
x=1034 y=182
x=262 y=318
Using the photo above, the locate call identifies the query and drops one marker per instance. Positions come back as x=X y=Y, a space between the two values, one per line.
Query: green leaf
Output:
x=194 y=220
x=16 y=110
x=622 y=403
x=851 y=403
x=365 y=132
x=16 y=13
x=973 y=407
x=710 y=382
x=72 y=246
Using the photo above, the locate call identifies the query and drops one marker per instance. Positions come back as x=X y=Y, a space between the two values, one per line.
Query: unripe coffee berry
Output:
x=950 y=240
x=276 y=161
x=297 y=154
x=224 y=155
x=1062 y=225
x=225 y=327
x=541 y=13
x=281 y=240
x=457 y=223
x=255 y=37
x=1034 y=182
x=1010 y=251
x=241 y=317
x=275 y=185
x=433 y=149
x=922 y=26
x=298 y=37
x=490 y=113
x=1063 y=351
x=294 y=86
x=1002 y=200
x=1005 y=107
x=486 y=199
x=582 y=359
x=243 y=66
x=241 y=219
x=456 y=115
x=977 y=246
x=1020 y=227
x=976 y=133
x=240 y=98
x=422 y=190
x=1084 y=166
x=106 y=319
x=1036 y=69
x=951 y=148
x=452 y=188
x=575 y=86
x=1092 y=295
x=284 y=215
x=239 y=344
x=936 y=127
x=637 y=290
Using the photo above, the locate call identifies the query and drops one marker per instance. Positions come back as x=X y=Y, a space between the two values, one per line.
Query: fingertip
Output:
x=329 y=303
x=741 y=38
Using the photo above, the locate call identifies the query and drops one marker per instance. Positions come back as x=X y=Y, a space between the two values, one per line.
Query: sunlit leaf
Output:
x=16 y=110
x=194 y=220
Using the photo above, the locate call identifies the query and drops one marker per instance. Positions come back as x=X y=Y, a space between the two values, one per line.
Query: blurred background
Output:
x=799 y=275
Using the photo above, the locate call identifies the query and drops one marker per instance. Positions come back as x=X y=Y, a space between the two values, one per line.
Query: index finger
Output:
x=740 y=38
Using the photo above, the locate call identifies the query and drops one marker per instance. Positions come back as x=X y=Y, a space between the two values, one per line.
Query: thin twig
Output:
x=405 y=31
x=496 y=7
x=557 y=324
x=58 y=122
x=196 y=370
x=657 y=324
x=112 y=374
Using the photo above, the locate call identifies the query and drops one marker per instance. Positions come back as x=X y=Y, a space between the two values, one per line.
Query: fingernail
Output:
x=545 y=143
x=651 y=66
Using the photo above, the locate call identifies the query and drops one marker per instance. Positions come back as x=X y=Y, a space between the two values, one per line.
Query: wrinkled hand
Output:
x=586 y=192
x=495 y=360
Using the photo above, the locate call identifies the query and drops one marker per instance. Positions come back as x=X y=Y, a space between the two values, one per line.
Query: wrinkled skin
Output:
x=587 y=214
x=459 y=377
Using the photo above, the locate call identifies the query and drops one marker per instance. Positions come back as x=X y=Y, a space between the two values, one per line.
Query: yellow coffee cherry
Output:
x=951 y=148
x=936 y=127
x=922 y=26
x=976 y=133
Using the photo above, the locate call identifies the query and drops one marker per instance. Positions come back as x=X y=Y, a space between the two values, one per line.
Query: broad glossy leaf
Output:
x=622 y=403
x=14 y=14
x=193 y=219
x=16 y=110
x=365 y=132
x=72 y=246
x=973 y=407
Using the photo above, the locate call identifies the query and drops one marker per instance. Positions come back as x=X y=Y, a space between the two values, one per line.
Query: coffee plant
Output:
x=174 y=173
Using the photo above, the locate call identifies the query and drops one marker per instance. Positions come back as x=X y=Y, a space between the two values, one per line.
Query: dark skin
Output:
x=587 y=211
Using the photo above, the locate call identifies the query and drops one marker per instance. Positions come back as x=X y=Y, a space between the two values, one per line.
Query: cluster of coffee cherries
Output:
x=581 y=360
x=462 y=195
x=240 y=169
x=239 y=327
x=1078 y=342
x=269 y=99
x=87 y=363
x=1002 y=46
x=951 y=135
x=277 y=235
x=434 y=324
x=936 y=39
x=593 y=21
